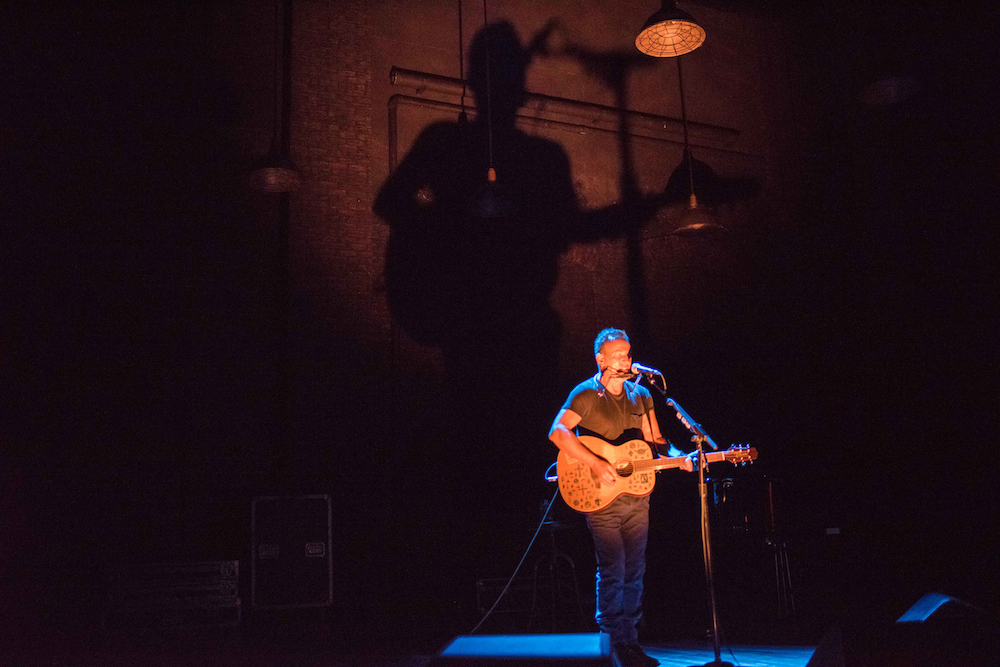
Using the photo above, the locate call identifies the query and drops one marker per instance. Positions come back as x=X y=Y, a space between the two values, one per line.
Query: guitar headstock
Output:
x=741 y=454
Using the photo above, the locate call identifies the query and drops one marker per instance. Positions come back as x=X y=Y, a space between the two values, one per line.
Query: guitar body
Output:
x=581 y=489
x=635 y=471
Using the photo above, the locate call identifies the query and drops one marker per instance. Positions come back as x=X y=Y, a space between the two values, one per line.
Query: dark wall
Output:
x=844 y=327
x=895 y=292
x=139 y=335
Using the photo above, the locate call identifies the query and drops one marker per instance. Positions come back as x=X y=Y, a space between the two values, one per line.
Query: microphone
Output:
x=638 y=369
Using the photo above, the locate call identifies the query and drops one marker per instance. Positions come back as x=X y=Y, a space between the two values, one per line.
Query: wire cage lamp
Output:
x=670 y=32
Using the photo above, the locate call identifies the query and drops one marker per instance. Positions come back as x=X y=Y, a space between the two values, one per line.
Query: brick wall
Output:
x=333 y=244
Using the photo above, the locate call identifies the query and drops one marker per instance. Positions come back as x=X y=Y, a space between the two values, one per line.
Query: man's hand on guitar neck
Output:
x=689 y=463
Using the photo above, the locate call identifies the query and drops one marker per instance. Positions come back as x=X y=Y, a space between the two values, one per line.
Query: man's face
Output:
x=616 y=355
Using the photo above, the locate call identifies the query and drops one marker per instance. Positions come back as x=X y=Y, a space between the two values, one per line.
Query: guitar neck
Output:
x=674 y=462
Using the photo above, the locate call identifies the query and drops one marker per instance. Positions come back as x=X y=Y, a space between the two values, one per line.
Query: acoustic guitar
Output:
x=635 y=471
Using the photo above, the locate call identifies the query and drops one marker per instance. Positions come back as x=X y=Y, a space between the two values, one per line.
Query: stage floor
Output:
x=688 y=654
x=197 y=649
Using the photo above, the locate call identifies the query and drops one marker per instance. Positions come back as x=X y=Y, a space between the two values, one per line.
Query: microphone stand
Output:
x=700 y=438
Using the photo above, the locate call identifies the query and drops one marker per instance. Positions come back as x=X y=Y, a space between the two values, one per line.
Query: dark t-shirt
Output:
x=616 y=419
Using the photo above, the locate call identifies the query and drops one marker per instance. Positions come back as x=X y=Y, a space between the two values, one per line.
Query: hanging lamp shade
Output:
x=275 y=173
x=697 y=221
x=670 y=32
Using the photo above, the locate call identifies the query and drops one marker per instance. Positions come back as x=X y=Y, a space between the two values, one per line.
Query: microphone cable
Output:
x=510 y=581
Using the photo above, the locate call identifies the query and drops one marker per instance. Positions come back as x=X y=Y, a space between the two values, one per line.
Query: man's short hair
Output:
x=608 y=335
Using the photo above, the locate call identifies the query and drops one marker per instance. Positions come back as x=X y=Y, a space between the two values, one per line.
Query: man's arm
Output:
x=562 y=436
x=651 y=433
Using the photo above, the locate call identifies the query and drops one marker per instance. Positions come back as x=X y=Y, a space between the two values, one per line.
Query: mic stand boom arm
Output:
x=700 y=438
x=691 y=424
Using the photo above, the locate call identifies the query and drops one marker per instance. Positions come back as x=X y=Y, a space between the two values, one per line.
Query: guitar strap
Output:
x=632 y=391
x=645 y=412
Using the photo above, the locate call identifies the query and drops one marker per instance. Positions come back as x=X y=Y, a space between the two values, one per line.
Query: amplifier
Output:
x=291 y=565
x=175 y=595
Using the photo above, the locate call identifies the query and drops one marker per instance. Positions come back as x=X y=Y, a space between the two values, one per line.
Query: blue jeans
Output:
x=619 y=533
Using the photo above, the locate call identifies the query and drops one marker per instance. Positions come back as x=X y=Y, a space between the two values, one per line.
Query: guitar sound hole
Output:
x=625 y=469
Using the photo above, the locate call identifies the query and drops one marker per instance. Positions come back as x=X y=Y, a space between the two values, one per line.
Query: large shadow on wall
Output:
x=471 y=265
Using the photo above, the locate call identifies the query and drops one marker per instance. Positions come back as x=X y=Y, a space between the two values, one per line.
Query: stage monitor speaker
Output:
x=937 y=631
x=291 y=542
x=542 y=650
x=938 y=607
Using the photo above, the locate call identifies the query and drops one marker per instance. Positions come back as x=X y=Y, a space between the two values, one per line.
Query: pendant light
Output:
x=697 y=220
x=491 y=201
x=275 y=173
x=670 y=33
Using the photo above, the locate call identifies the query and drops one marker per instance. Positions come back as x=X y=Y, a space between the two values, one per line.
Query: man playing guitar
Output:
x=616 y=411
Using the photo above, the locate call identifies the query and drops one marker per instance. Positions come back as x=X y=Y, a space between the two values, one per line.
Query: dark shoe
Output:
x=632 y=655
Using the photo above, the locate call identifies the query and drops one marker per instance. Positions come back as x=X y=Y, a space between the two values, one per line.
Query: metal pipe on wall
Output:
x=583 y=115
